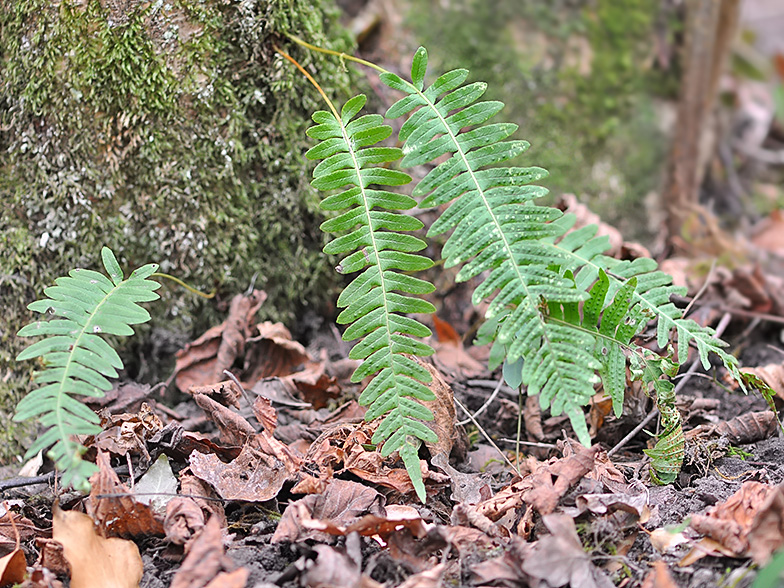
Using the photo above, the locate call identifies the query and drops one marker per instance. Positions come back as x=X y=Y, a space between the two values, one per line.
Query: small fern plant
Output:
x=562 y=316
x=75 y=357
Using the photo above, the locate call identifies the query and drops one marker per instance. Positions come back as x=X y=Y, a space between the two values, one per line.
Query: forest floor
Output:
x=275 y=482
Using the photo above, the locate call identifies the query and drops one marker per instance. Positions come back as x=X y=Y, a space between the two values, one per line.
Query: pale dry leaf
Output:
x=95 y=562
x=157 y=486
x=236 y=579
x=748 y=523
x=234 y=428
x=664 y=540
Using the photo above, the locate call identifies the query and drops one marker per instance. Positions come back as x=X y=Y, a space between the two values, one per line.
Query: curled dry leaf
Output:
x=317 y=516
x=95 y=562
x=203 y=361
x=114 y=508
x=426 y=579
x=747 y=428
x=771 y=374
x=205 y=562
x=184 y=519
x=505 y=570
x=127 y=433
x=748 y=523
x=272 y=352
x=443 y=408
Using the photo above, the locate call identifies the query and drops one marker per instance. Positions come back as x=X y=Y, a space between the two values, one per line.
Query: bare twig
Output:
x=487 y=402
x=485 y=435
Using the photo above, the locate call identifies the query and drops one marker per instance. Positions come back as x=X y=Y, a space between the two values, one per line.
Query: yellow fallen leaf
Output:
x=95 y=562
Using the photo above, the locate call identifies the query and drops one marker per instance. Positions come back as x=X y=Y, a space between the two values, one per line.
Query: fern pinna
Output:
x=535 y=271
x=76 y=359
x=375 y=301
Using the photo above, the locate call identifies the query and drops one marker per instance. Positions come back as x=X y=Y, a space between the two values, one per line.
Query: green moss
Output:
x=171 y=132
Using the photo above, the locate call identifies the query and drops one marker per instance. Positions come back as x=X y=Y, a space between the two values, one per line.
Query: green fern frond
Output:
x=536 y=272
x=76 y=359
x=496 y=228
x=376 y=302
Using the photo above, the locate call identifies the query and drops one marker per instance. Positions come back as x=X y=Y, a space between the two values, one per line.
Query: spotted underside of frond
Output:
x=76 y=359
x=374 y=235
x=537 y=275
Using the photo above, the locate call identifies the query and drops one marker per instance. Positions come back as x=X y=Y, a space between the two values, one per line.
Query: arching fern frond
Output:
x=534 y=271
x=376 y=302
x=76 y=359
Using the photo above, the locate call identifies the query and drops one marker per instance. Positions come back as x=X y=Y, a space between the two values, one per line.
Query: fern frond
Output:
x=496 y=228
x=376 y=302
x=76 y=359
x=536 y=272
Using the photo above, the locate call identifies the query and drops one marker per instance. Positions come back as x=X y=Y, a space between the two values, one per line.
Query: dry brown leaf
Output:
x=265 y=414
x=342 y=503
x=234 y=428
x=659 y=577
x=313 y=384
x=127 y=432
x=747 y=428
x=255 y=476
x=115 y=510
x=532 y=416
x=748 y=523
x=52 y=556
x=184 y=519
x=205 y=561
x=95 y=562
x=203 y=361
x=443 y=408
x=427 y=579
x=271 y=352
x=12 y=568
x=450 y=356
x=14 y=528
x=773 y=375
x=559 y=558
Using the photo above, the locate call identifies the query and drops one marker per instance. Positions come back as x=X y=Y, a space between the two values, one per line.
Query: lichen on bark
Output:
x=170 y=131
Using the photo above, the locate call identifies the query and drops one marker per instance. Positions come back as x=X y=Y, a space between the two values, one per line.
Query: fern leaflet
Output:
x=76 y=359
x=375 y=301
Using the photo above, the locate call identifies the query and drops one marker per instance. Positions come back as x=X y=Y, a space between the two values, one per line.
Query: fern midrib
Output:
x=506 y=244
x=383 y=286
x=64 y=433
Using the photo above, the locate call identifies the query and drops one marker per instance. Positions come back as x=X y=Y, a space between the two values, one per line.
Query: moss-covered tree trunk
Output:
x=168 y=130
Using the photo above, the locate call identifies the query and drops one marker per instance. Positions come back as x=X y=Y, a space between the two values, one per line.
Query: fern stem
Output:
x=340 y=54
x=310 y=78
x=190 y=289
